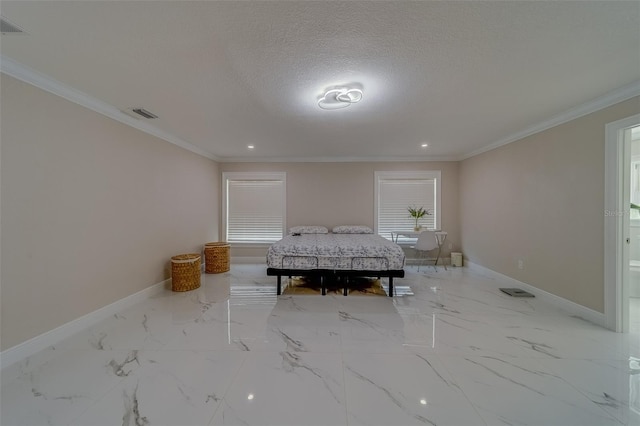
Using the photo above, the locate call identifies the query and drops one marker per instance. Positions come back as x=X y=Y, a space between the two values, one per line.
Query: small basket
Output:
x=216 y=257
x=185 y=272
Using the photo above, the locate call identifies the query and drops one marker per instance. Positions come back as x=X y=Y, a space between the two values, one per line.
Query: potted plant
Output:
x=417 y=214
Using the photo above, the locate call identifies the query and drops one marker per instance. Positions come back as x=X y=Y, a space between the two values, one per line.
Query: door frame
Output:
x=614 y=220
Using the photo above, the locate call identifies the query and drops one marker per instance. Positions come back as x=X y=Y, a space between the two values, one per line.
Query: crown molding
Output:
x=22 y=72
x=619 y=95
x=335 y=159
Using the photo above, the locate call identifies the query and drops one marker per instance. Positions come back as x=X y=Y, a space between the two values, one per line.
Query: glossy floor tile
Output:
x=451 y=349
x=634 y=314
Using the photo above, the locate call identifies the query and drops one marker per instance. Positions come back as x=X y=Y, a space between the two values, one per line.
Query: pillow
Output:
x=309 y=229
x=352 y=229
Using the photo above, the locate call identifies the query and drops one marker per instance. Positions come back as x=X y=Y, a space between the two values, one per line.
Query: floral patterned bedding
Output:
x=359 y=252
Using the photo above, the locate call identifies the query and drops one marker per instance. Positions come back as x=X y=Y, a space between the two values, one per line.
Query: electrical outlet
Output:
x=520 y=264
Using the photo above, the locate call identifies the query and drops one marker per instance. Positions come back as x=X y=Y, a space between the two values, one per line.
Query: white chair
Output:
x=429 y=241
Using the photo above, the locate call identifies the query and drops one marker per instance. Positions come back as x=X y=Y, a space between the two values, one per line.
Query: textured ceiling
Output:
x=221 y=75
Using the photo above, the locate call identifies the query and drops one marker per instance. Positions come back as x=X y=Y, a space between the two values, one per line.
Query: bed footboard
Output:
x=324 y=274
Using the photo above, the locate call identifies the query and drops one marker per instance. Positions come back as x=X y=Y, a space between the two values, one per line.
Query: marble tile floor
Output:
x=634 y=314
x=450 y=350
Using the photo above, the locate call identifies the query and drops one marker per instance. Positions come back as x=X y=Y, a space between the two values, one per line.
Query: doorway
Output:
x=634 y=232
x=622 y=225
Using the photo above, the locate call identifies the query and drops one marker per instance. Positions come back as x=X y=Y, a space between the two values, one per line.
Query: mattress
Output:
x=343 y=252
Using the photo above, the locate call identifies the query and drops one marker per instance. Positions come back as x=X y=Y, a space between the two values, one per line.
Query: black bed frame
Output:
x=337 y=275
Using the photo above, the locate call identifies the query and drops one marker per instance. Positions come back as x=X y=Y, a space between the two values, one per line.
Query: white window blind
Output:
x=396 y=192
x=254 y=209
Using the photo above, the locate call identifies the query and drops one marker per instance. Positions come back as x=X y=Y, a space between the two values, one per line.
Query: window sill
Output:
x=249 y=244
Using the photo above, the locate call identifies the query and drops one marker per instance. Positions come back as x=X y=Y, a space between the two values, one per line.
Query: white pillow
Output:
x=308 y=229
x=352 y=229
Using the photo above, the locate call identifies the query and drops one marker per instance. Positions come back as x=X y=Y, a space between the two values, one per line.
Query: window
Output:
x=396 y=191
x=253 y=207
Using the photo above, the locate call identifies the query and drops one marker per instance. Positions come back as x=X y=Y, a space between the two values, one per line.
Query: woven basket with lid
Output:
x=216 y=257
x=185 y=272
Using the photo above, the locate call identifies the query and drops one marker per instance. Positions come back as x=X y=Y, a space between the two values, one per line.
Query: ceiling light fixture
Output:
x=340 y=97
x=424 y=145
x=250 y=146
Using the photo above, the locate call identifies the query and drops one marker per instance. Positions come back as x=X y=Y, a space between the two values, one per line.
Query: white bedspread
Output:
x=360 y=252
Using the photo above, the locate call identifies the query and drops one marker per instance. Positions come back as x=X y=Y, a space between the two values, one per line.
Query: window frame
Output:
x=251 y=176
x=436 y=175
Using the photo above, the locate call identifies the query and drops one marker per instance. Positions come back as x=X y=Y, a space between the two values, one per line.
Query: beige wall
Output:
x=92 y=210
x=541 y=200
x=332 y=194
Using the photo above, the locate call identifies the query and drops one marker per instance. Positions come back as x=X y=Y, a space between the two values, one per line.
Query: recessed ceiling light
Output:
x=423 y=401
x=424 y=145
x=250 y=146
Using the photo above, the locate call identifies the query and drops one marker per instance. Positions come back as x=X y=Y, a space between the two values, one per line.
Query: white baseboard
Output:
x=570 y=307
x=249 y=259
x=52 y=337
x=428 y=262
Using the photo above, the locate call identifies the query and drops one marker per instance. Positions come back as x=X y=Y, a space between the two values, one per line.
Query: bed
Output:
x=335 y=256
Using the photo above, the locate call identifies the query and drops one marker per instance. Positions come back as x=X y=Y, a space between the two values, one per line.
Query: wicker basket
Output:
x=185 y=272
x=216 y=257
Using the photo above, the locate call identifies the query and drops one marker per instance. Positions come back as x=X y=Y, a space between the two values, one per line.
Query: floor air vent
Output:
x=516 y=292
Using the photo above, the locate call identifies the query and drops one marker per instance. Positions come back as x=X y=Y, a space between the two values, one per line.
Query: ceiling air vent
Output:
x=146 y=114
x=141 y=112
x=7 y=27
